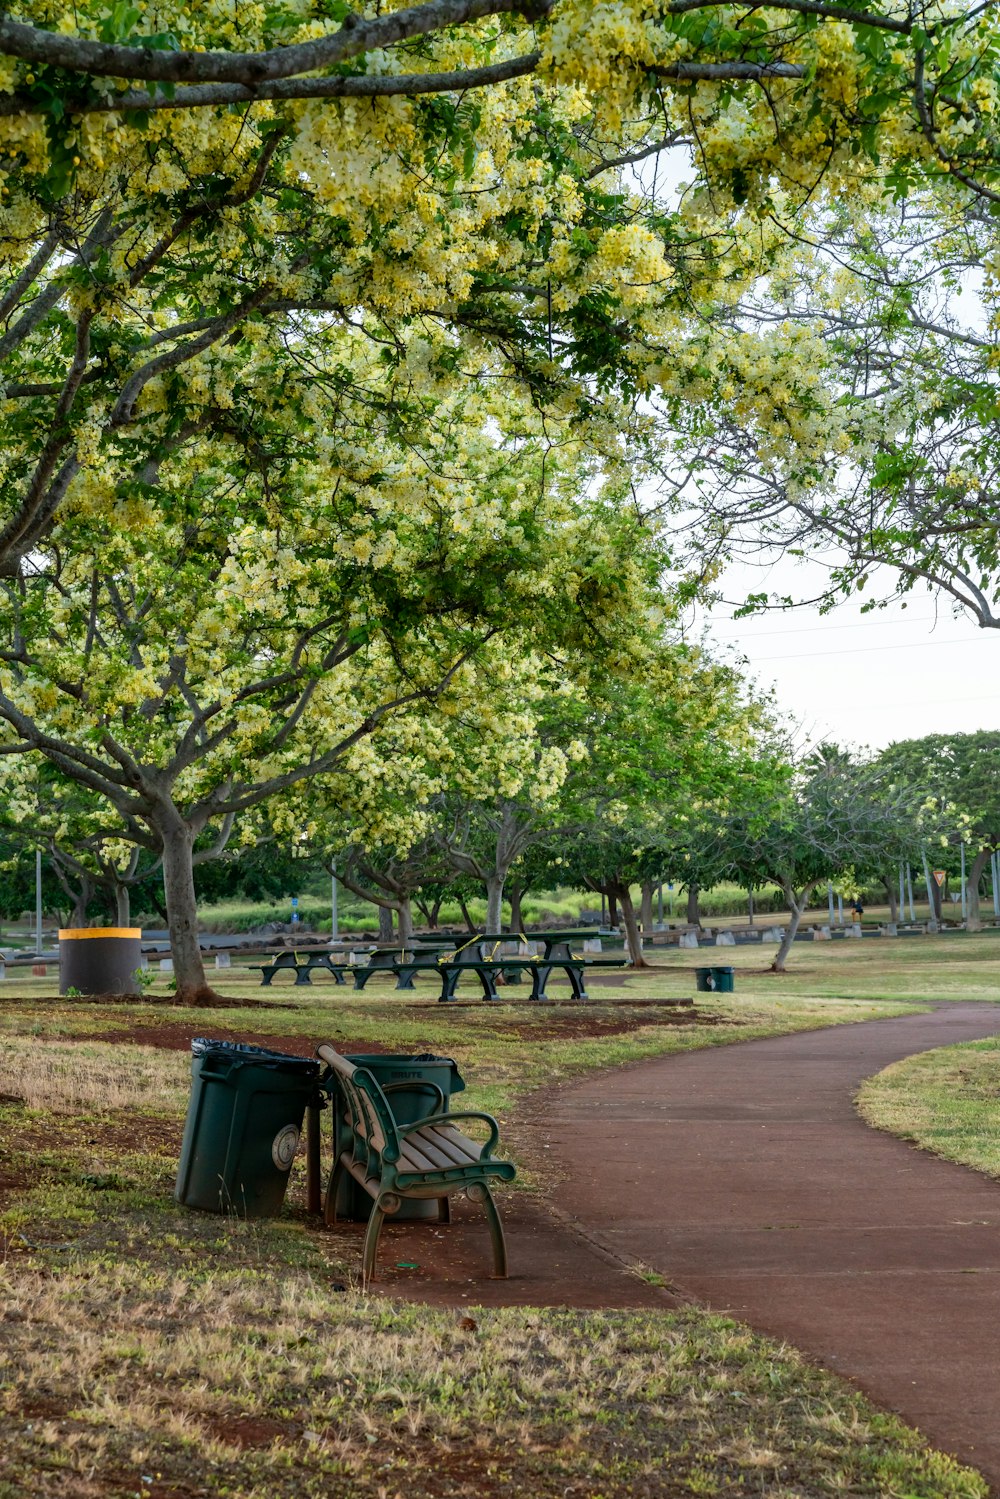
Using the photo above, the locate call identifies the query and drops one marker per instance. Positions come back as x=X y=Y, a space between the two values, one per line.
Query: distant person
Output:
x=858 y=909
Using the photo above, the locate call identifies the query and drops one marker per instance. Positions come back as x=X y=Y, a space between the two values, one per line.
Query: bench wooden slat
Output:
x=424 y=1144
x=413 y=1159
x=456 y=1149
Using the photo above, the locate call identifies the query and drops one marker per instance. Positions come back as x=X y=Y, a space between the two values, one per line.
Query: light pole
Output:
x=38 y=903
x=334 y=926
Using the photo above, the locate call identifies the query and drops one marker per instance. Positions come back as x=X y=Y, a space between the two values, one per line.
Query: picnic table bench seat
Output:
x=429 y=1159
x=288 y=961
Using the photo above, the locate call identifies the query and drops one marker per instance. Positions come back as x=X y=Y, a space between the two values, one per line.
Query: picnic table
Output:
x=557 y=954
x=394 y=960
x=288 y=961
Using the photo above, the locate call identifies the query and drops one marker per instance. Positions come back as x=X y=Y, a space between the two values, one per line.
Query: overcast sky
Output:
x=863 y=679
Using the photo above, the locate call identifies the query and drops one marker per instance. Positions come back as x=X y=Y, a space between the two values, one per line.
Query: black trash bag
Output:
x=258 y=1056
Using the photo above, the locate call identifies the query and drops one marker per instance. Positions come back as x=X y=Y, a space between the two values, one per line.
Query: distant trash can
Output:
x=243 y=1125
x=714 y=980
x=405 y=1080
x=100 y=959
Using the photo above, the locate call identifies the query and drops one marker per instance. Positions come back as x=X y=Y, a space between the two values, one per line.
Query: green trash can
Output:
x=243 y=1125
x=405 y=1080
x=714 y=980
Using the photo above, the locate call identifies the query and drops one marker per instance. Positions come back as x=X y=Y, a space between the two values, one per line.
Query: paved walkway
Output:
x=745 y=1177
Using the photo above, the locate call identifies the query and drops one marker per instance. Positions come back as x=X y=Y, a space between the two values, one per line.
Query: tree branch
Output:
x=355 y=37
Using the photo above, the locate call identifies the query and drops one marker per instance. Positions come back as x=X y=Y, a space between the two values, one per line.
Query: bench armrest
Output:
x=487 y=1149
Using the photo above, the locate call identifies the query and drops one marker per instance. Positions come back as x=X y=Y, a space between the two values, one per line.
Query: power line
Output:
x=864 y=650
x=823 y=629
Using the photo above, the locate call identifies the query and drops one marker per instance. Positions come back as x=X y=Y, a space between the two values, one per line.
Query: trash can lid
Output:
x=409 y=1059
x=258 y=1056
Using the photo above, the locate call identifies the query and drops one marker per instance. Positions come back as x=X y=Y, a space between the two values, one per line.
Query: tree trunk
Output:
x=404 y=918
x=182 y=912
x=494 y=904
x=463 y=907
x=893 y=896
x=646 y=909
x=979 y=863
x=693 y=913
x=384 y=924
x=632 y=936
x=123 y=905
x=796 y=910
x=516 y=919
x=612 y=911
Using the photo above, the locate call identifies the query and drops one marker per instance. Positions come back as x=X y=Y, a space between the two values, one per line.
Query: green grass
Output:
x=944 y=1101
x=148 y=1350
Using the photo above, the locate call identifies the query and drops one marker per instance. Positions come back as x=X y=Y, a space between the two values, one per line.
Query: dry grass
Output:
x=68 y=1077
x=221 y=1377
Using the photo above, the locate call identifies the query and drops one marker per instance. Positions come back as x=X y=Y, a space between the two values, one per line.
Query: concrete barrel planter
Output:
x=100 y=959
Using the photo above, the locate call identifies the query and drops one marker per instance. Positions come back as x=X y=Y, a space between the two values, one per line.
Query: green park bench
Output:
x=427 y=1160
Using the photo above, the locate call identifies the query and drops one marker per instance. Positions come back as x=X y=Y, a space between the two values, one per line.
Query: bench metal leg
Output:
x=404 y=979
x=302 y=976
x=370 y=1251
x=312 y=1159
x=480 y=1192
x=575 y=975
x=361 y=979
x=449 y=984
x=332 y=1188
x=488 y=982
x=539 y=978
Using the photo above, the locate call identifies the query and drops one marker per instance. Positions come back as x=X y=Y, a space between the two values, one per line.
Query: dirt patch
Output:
x=140 y=1134
x=252 y=1431
x=583 y=1027
x=574 y=1025
x=450 y=1265
x=147 y=1001
x=178 y=1035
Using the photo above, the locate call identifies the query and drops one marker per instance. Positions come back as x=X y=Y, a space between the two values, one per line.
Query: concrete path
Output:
x=744 y=1176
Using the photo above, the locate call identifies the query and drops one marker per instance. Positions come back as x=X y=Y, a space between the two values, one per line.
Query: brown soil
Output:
x=575 y=1024
x=580 y=1027
x=449 y=1265
x=252 y=1431
x=148 y=1001
x=178 y=1035
x=140 y=1134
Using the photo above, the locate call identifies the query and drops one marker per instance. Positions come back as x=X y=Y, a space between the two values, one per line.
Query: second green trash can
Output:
x=243 y=1125
x=714 y=980
x=411 y=1084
